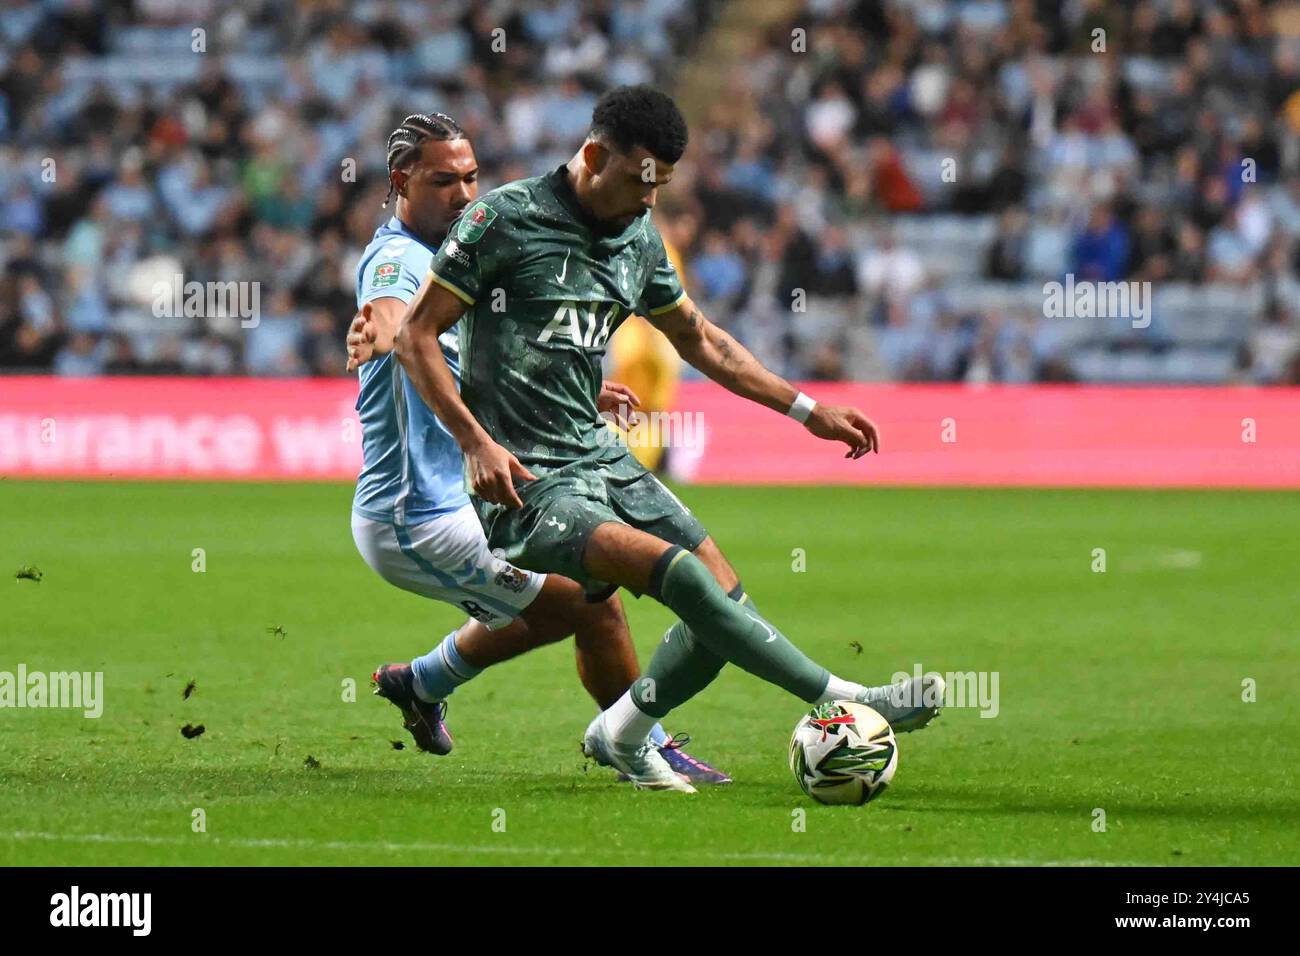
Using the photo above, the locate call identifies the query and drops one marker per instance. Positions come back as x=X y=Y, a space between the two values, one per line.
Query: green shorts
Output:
x=562 y=509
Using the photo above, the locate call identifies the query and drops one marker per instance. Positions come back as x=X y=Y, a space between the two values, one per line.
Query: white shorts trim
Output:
x=448 y=559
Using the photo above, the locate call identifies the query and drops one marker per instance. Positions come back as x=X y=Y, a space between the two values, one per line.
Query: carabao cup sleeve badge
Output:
x=386 y=274
x=474 y=222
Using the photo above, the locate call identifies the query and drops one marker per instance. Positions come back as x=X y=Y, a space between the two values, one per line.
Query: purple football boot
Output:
x=396 y=683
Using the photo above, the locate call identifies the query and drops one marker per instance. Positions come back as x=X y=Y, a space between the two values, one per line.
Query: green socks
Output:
x=717 y=629
x=681 y=667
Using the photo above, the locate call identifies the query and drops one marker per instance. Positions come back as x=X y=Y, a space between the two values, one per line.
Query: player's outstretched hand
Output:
x=842 y=423
x=492 y=471
x=614 y=398
x=361 y=338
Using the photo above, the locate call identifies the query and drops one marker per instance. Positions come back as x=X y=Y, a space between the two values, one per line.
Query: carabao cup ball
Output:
x=843 y=752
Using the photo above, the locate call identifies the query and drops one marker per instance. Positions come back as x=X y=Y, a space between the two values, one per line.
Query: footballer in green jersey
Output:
x=543 y=270
x=546 y=288
x=546 y=285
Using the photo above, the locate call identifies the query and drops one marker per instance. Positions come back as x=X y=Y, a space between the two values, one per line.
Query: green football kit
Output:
x=546 y=286
x=546 y=289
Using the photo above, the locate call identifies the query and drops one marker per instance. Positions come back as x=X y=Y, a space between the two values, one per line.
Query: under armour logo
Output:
x=552 y=523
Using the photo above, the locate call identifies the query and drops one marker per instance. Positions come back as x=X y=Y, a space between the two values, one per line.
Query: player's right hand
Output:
x=492 y=471
x=361 y=338
x=842 y=423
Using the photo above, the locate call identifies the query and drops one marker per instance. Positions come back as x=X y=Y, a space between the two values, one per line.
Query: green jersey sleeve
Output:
x=663 y=291
x=474 y=252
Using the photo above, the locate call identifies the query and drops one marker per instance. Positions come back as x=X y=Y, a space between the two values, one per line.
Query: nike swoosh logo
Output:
x=565 y=271
x=764 y=627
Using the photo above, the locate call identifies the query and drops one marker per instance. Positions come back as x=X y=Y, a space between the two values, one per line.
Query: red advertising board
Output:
x=931 y=434
x=1017 y=435
x=210 y=428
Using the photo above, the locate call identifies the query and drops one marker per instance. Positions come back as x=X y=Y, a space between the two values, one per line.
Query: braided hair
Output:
x=415 y=130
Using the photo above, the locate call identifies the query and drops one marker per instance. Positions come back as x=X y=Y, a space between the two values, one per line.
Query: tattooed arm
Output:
x=722 y=358
x=719 y=356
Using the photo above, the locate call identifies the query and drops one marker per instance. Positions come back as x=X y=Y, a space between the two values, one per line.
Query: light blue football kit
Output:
x=411 y=518
x=412 y=469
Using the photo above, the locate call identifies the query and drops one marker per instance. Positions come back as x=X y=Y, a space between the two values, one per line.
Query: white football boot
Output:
x=908 y=705
x=642 y=762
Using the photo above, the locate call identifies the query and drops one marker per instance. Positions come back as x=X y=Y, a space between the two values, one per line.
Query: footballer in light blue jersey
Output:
x=411 y=468
x=411 y=518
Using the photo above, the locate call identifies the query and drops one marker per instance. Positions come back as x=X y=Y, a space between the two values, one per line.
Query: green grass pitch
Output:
x=1119 y=690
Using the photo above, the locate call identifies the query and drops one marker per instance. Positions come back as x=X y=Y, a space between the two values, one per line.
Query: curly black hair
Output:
x=630 y=116
x=415 y=130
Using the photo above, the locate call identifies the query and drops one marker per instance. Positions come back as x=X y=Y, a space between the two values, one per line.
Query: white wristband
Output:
x=801 y=408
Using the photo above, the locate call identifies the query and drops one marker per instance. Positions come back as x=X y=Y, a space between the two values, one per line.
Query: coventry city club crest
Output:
x=511 y=578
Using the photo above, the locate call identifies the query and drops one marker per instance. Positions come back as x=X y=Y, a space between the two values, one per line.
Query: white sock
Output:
x=837 y=689
x=627 y=723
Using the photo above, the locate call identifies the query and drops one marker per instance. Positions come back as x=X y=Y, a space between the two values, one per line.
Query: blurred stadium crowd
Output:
x=884 y=200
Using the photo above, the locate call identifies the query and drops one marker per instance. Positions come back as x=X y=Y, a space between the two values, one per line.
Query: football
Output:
x=843 y=752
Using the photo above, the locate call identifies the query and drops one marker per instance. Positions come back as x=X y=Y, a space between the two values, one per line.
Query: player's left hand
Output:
x=613 y=398
x=361 y=338
x=846 y=424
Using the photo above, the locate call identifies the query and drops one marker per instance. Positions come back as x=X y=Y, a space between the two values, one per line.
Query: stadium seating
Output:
x=920 y=171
